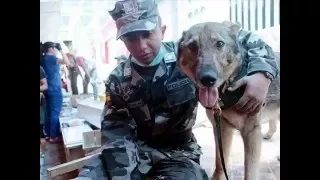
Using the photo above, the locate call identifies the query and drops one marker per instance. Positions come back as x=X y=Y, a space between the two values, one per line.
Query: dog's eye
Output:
x=193 y=46
x=220 y=44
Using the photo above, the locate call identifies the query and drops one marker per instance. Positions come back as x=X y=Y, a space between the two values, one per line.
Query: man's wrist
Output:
x=266 y=74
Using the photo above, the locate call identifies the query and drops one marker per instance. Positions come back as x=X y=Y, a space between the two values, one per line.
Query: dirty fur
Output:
x=199 y=49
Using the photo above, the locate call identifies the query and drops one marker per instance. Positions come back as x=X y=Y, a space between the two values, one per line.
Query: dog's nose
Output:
x=208 y=78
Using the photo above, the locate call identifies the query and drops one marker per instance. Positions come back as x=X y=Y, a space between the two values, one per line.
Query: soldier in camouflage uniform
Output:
x=91 y=75
x=151 y=105
x=120 y=59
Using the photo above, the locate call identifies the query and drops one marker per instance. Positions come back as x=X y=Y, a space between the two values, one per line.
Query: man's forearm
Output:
x=261 y=57
x=65 y=58
x=266 y=66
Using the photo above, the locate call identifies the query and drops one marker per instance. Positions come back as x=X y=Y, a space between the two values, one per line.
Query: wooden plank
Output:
x=67 y=167
x=75 y=145
x=67 y=153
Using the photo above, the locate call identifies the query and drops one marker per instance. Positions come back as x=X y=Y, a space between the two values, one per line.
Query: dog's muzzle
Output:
x=208 y=77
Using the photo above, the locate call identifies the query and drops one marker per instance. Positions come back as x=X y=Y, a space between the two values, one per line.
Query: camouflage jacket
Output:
x=259 y=55
x=131 y=123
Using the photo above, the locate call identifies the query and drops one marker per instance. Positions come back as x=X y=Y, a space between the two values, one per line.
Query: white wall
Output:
x=167 y=16
x=49 y=21
x=174 y=14
x=202 y=11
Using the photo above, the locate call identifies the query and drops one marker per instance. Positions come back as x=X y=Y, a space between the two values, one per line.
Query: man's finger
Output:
x=253 y=107
x=243 y=101
x=237 y=84
x=256 y=110
x=247 y=106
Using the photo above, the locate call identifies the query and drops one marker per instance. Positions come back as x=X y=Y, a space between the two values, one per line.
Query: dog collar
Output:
x=229 y=98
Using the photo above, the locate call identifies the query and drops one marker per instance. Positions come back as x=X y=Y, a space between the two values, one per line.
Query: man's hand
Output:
x=257 y=86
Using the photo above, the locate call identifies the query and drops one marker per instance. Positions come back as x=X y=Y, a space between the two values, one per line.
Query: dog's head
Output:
x=209 y=55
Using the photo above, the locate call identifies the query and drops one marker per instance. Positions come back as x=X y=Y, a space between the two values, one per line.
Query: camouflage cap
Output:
x=135 y=15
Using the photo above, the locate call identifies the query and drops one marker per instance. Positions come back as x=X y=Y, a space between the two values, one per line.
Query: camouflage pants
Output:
x=159 y=165
x=178 y=168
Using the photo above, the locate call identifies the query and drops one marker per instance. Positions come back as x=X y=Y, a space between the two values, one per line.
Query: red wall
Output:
x=108 y=33
x=106 y=53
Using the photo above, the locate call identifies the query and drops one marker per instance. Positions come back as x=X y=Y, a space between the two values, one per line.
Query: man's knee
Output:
x=181 y=168
x=108 y=167
x=93 y=169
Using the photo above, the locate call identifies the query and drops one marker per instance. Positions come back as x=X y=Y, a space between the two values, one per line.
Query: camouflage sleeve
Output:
x=261 y=57
x=120 y=152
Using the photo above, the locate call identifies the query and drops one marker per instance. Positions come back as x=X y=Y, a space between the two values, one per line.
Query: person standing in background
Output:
x=73 y=73
x=43 y=116
x=50 y=64
x=91 y=75
x=121 y=59
x=43 y=87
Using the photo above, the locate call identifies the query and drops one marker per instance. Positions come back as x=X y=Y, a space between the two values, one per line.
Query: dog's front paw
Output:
x=267 y=136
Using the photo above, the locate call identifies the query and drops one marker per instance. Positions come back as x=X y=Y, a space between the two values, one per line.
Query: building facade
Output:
x=179 y=15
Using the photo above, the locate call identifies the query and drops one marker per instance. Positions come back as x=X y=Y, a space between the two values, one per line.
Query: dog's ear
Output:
x=179 y=44
x=186 y=39
x=234 y=27
x=182 y=38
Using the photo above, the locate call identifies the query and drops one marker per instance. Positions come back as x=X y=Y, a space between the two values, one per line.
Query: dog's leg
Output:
x=226 y=135
x=272 y=129
x=251 y=135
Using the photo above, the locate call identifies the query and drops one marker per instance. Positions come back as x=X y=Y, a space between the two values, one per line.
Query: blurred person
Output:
x=43 y=114
x=73 y=73
x=120 y=59
x=64 y=85
x=51 y=65
x=91 y=75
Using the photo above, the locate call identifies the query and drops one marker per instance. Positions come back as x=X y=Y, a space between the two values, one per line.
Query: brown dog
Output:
x=210 y=56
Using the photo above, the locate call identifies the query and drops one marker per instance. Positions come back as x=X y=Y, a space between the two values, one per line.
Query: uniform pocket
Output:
x=181 y=95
